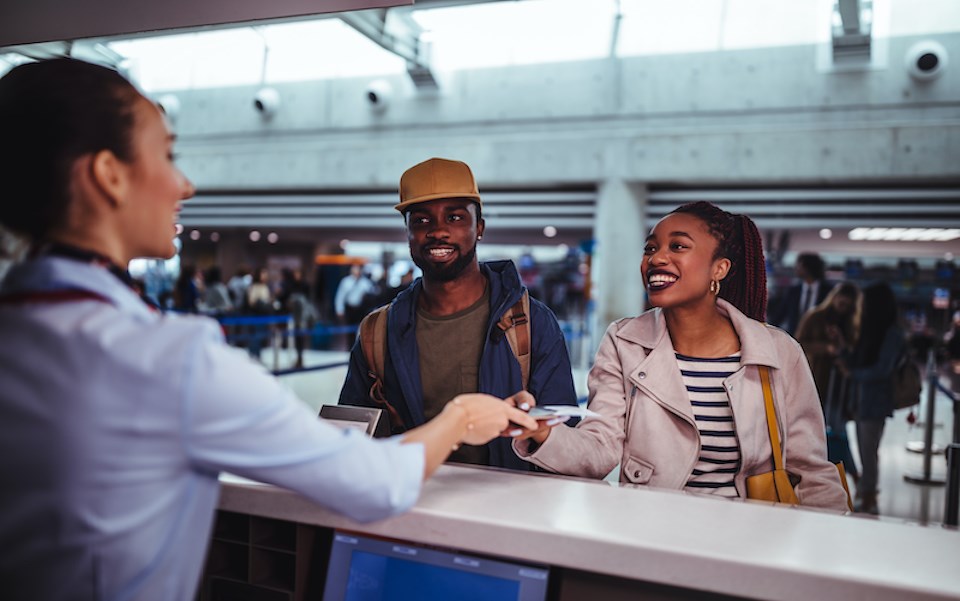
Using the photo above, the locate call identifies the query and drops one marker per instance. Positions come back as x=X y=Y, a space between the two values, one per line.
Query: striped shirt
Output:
x=719 y=449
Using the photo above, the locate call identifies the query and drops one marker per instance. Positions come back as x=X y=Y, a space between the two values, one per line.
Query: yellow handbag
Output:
x=775 y=485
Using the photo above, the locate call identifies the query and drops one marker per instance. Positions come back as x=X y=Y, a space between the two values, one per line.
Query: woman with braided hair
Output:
x=678 y=389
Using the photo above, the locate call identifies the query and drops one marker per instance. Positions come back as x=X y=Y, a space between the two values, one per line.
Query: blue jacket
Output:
x=873 y=384
x=551 y=379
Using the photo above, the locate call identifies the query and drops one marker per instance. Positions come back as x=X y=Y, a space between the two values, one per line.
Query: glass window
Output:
x=516 y=33
x=299 y=51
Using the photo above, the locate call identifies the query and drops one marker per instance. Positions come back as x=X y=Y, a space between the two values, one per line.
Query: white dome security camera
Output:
x=926 y=60
x=379 y=93
x=170 y=105
x=267 y=102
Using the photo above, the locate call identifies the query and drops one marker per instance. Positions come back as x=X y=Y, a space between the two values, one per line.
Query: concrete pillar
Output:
x=619 y=231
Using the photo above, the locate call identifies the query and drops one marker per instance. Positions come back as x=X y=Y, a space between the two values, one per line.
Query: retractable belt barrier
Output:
x=253 y=320
x=300 y=370
x=239 y=321
x=570 y=331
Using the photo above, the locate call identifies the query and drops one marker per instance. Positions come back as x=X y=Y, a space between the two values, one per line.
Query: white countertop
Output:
x=748 y=549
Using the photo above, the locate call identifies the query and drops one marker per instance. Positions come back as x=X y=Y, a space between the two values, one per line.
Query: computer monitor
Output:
x=365 y=568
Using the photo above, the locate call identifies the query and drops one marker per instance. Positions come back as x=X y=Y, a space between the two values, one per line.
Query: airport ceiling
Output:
x=160 y=44
x=267 y=42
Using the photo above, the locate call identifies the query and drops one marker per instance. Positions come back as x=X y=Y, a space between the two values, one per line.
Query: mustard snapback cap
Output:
x=436 y=179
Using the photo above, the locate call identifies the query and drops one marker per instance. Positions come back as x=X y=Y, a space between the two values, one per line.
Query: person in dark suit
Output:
x=806 y=294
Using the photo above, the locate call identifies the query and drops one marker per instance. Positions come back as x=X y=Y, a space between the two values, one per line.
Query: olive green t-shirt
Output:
x=450 y=347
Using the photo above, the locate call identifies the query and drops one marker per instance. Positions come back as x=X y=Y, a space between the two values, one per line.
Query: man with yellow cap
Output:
x=444 y=334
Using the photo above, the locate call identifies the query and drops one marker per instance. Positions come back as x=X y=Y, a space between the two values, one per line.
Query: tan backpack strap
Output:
x=373 y=342
x=515 y=324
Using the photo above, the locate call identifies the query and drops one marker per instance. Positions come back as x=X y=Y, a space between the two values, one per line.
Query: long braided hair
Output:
x=738 y=240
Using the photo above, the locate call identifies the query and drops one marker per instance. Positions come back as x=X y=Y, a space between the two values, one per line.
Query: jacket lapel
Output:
x=657 y=374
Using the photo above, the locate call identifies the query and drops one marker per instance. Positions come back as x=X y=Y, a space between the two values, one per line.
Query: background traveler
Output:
x=826 y=333
x=870 y=369
x=808 y=292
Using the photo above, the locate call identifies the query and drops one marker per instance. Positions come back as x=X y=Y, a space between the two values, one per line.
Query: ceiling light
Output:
x=903 y=234
x=826 y=233
x=913 y=234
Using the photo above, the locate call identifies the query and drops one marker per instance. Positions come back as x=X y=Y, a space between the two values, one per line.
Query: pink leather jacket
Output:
x=647 y=423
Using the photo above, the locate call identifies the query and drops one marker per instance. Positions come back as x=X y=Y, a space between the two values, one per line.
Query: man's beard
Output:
x=448 y=272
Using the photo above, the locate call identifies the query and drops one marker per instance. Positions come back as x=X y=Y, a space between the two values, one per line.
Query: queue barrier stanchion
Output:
x=932 y=381
x=951 y=506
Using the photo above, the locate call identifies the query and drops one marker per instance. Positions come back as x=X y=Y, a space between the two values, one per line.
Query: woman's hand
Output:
x=842 y=367
x=525 y=401
x=486 y=417
x=837 y=341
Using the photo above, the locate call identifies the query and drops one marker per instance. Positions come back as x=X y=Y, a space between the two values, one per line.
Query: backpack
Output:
x=373 y=341
x=906 y=382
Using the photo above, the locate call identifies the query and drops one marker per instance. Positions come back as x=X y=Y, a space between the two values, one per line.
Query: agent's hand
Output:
x=524 y=400
x=485 y=417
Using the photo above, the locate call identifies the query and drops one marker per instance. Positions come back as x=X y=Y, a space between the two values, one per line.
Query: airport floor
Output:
x=898 y=499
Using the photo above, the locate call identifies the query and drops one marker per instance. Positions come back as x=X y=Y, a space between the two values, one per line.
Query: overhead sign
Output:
x=31 y=21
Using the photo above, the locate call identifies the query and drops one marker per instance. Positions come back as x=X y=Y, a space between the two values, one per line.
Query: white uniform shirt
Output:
x=351 y=291
x=116 y=422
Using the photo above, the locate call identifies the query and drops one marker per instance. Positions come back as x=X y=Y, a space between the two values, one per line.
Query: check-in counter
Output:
x=599 y=541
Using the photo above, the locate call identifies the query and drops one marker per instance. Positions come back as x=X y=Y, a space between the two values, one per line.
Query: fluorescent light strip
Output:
x=903 y=234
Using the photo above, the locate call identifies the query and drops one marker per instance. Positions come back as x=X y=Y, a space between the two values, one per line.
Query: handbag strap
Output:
x=771 y=417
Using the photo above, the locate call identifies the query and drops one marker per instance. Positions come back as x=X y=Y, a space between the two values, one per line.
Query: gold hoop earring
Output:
x=715 y=287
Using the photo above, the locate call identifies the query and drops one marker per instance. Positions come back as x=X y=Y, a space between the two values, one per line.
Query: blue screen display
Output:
x=378 y=578
x=365 y=568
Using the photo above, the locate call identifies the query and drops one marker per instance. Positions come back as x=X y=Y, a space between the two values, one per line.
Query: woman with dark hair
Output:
x=826 y=333
x=117 y=419
x=870 y=369
x=186 y=293
x=678 y=389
